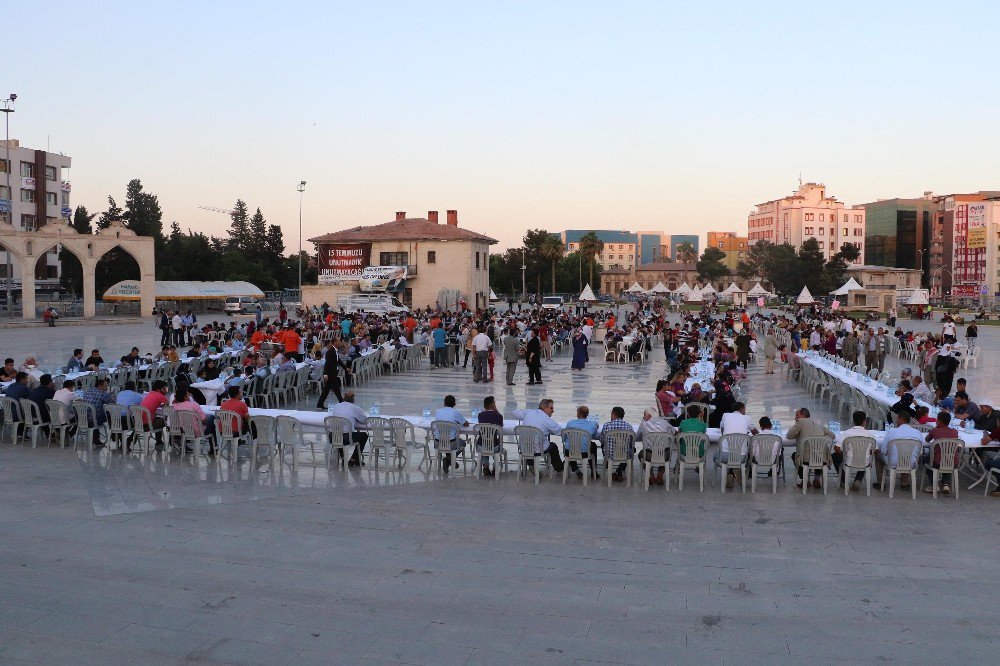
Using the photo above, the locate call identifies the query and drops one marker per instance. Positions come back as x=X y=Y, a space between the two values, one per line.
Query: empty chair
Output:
x=858 y=456
x=11 y=419
x=86 y=422
x=765 y=453
x=489 y=448
x=379 y=439
x=529 y=438
x=656 y=453
x=229 y=433
x=814 y=457
x=905 y=451
x=340 y=438
x=402 y=437
x=691 y=448
x=736 y=445
x=619 y=449
x=263 y=431
x=576 y=443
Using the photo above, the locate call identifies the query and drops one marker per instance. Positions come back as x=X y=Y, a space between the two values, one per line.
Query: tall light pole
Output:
x=301 y=188
x=524 y=267
x=8 y=108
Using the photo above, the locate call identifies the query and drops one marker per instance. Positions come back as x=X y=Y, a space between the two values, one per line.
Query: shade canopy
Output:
x=849 y=286
x=732 y=289
x=659 y=288
x=758 y=290
x=805 y=298
x=182 y=290
x=707 y=289
x=493 y=295
x=587 y=294
x=693 y=296
x=683 y=289
x=636 y=288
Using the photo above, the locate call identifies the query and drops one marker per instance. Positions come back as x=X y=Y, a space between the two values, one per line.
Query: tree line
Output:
x=789 y=270
x=548 y=269
x=252 y=249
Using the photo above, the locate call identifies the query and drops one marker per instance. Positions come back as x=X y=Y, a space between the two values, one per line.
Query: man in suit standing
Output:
x=331 y=380
x=533 y=358
x=510 y=355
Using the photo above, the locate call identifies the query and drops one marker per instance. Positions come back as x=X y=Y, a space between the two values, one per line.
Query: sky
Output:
x=666 y=116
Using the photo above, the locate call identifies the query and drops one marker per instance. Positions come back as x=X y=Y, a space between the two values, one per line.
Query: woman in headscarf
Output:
x=580 y=355
x=944 y=369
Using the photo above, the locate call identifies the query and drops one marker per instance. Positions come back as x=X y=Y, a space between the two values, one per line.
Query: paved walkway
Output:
x=262 y=566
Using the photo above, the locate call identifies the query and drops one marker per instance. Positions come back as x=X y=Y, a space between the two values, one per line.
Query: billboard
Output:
x=343 y=262
x=381 y=278
x=976 y=217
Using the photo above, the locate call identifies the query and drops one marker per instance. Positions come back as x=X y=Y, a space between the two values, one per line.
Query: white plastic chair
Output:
x=738 y=445
x=379 y=439
x=694 y=445
x=860 y=450
x=526 y=438
x=59 y=422
x=32 y=417
x=763 y=456
x=658 y=445
x=263 y=430
x=336 y=428
x=815 y=453
x=489 y=446
x=445 y=433
x=229 y=437
x=576 y=443
x=904 y=464
x=619 y=447
x=950 y=449
x=12 y=419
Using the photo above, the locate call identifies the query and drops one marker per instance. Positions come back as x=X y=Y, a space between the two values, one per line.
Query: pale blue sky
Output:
x=638 y=115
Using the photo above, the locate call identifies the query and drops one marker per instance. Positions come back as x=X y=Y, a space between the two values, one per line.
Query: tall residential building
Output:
x=621 y=248
x=733 y=246
x=809 y=213
x=677 y=239
x=653 y=246
x=898 y=233
x=33 y=193
x=965 y=240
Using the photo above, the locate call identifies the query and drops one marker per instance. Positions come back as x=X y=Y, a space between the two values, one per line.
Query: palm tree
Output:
x=552 y=249
x=590 y=246
x=687 y=255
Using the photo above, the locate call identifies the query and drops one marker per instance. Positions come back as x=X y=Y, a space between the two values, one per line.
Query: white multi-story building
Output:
x=809 y=213
x=33 y=193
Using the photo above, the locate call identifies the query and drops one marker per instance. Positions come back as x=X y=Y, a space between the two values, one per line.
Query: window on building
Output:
x=822 y=230
x=822 y=217
x=27 y=170
x=28 y=222
x=65 y=199
x=50 y=173
x=3 y=270
x=631 y=257
x=27 y=196
x=477 y=261
x=845 y=231
x=831 y=245
x=393 y=258
x=833 y=231
x=4 y=192
x=52 y=272
x=3 y=166
x=808 y=231
x=52 y=198
x=431 y=257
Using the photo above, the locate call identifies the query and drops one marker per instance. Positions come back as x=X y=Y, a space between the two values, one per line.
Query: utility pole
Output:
x=524 y=267
x=8 y=108
x=301 y=188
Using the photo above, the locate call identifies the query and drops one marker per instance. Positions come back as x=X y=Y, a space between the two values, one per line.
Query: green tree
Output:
x=710 y=266
x=142 y=211
x=111 y=215
x=754 y=266
x=591 y=246
x=534 y=241
x=835 y=270
x=239 y=230
x=552 y=250
x=810 y=266
x=687 y=255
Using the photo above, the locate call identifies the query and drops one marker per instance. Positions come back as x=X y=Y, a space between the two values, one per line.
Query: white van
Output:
x=380 y=303
x=240 y=304
x=552 y=302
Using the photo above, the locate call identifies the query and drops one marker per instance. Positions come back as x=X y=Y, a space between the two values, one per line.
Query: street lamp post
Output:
x=524 y=267
x=8 y=108
x=301 y=188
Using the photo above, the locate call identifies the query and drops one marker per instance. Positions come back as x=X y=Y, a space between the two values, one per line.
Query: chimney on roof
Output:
x=452 y=218
x=400 y=215
x=432 y=216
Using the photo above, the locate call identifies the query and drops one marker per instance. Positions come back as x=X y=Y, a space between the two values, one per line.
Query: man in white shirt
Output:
x=588 y=331
x=66 y=394
x=177 y=324
x=920 y=390
x=733 y=423
x=348 y=410
x=481 y=346
x=888 y=455
x=841 y=457
x=948 y=331
x=541 y=418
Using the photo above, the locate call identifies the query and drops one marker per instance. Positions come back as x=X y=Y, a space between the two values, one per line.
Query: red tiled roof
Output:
x=411 y=228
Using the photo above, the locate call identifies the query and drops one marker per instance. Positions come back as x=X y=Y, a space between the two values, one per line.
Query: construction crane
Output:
x=224 y=211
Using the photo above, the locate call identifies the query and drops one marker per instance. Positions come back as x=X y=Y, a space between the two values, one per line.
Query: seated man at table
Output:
x=93 y=361
x=491 y=415
x=132 y=358
x=839 y=456
x=235 y=403
x=693 y=423
x=734 y=422
x=888 y=454
x=541 y=418
x=582 y=422
x=653 y=422
x=128 y=396
x=153 y=401
x=348 y=410
x=965 y=409
x=449 y=413
x=617 y=422
x=988 y=420
x=921 y=391
x=806 y=426
x=903 y=406
x=942 y=430
x=67 y=394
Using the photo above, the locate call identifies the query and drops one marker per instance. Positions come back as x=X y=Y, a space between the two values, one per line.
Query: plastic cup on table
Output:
x=427 y=413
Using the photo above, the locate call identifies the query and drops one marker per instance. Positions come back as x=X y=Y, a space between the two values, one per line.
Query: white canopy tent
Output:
x=171 y=290
x=919 y=297
x=758 y=290
x=732 y=289
x=805 y=298
x=683 y=289
x=587 y=295
x=636 y=288
x=849 y=286
x=659 y=288
x=493 y=296
x=693 y=296
x=707 y=289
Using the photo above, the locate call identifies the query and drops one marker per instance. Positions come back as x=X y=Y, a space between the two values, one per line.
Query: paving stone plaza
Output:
x=114 y=559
